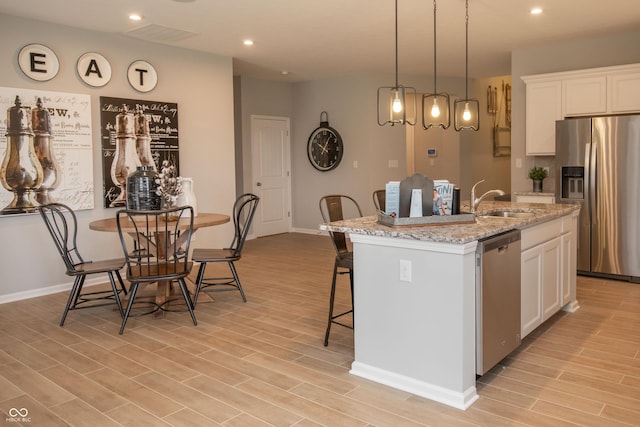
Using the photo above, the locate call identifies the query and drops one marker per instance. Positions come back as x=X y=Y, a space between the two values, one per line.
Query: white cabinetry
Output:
x=540 y=274
x=625 y=92
x=584 y=96
x=548 y=271
x=568 y=242
x=548 y=198
x=544 y=107
x=554 y=96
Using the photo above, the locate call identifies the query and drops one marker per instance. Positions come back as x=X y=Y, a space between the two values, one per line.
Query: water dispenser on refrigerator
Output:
x=572 y=182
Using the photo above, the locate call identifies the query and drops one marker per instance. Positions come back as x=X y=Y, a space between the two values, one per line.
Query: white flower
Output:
x=169 y=185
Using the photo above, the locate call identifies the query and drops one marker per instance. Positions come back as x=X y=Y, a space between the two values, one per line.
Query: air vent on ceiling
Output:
x=158 y=33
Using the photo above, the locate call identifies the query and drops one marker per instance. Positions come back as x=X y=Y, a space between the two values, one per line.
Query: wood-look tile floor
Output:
x=263 y=363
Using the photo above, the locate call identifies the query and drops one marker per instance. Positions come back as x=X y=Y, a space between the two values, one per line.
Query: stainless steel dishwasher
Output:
x=497 y=298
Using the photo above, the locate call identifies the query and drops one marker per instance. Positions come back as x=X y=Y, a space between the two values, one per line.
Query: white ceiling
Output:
x=320 y=38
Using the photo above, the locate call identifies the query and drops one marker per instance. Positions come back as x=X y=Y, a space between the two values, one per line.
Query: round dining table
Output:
x=163 y=290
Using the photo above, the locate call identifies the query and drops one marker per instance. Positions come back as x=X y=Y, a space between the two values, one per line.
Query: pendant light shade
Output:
x=392 y=100
x=466 y=113
x=435 y=106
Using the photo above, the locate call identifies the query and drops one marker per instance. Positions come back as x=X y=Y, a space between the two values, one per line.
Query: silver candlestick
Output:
x=21 y=172
x=143 y=140
x=126 y=159
x=43 y=145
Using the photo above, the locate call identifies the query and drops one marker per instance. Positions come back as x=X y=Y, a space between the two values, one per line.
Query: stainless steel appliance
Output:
x=598 y=161
x=497 y=298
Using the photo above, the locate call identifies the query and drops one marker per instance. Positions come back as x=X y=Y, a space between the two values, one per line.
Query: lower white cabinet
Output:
x=548 y=270
x=540 y=284
x=568 y=242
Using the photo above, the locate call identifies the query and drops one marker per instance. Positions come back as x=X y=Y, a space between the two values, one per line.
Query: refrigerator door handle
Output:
x=587 y=179
x=592 y=183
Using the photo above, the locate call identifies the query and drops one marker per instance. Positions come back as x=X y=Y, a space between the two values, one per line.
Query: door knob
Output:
x=259 y=184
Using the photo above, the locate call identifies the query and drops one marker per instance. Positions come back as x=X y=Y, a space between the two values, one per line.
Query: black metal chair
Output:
x=63 y=226
x=337 y=207
x=380 y=200
x=156 y=247
x=244 y=209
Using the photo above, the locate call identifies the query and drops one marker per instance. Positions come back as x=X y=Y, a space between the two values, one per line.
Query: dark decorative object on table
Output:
x=142 y=190
x=537 y=174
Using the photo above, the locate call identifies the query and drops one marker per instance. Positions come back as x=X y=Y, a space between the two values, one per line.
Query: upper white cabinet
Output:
x=586 y=95
x=625 y=92
x=544 y=107
x=596 y=91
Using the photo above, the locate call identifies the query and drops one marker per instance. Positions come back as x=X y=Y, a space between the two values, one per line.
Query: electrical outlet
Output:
x=405 y=270
x=547 y=169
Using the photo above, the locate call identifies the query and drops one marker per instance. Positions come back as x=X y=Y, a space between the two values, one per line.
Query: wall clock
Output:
x=324 y=147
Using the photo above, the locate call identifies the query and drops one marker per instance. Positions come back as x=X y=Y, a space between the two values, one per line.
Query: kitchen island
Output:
x=414 y=295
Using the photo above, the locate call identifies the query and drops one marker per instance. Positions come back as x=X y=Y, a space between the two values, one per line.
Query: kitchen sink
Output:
x=508 y=214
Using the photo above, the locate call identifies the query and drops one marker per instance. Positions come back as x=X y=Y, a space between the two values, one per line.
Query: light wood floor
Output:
x=263 y=363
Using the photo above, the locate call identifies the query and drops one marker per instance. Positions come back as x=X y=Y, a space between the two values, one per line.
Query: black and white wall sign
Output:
x=38 y=62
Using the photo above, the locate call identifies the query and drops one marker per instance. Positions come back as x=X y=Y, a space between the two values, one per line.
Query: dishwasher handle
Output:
x=500 y=241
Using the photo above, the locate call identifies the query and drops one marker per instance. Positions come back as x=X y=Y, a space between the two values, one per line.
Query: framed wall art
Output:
x=46 y=150
x=134 y=133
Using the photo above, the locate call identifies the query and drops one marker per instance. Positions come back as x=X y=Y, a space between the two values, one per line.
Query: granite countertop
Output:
x=484 y=225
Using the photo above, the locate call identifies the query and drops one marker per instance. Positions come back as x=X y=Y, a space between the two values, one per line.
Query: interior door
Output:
x=270 y=154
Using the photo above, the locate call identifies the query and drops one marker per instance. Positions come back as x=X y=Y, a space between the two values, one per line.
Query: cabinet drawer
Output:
x=567 y=223
x=541 y=233
x=528 y=198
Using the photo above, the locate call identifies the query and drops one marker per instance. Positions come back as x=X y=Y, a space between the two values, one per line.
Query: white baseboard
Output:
x=33 y=293
x=314 y=231
x=457 y=399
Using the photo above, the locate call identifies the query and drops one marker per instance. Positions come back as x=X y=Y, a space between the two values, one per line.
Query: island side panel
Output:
x=418 y=336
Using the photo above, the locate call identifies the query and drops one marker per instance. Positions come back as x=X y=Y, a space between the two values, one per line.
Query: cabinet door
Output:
x=624 y=89
x=530 y=289
x=568 y=271
x=543 y=108
x=550 y=278
x=584 y=96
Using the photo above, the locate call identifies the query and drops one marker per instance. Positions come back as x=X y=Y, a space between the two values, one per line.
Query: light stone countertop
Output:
x=460 y=233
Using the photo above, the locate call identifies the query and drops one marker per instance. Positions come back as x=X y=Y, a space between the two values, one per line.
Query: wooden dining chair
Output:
x=244 y=208
x=63 y=227
x=156 y=251
x=337 y=207
x=380 y=200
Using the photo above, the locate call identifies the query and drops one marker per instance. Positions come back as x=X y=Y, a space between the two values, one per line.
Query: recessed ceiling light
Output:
x=284 y=72
x=536 y=11
x=135 y=17
x=248 y=42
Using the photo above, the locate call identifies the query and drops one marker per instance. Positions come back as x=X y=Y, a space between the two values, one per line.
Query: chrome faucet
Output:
x=475 y=202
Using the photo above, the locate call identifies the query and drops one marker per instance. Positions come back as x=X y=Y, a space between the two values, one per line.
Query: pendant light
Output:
x=435 y=106
x=466 y=113
x=392 y=101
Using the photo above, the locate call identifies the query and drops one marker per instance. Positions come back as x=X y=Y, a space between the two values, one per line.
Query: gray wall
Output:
x=203 y=87
x=463 y=158
x=201 y=84
x=571 y=55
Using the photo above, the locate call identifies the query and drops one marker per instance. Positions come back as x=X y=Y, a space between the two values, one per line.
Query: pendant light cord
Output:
x=466 y=50
x=396 y=44
x=435 y=91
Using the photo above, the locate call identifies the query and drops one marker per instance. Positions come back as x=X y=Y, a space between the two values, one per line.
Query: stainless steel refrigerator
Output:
x=598 y=167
